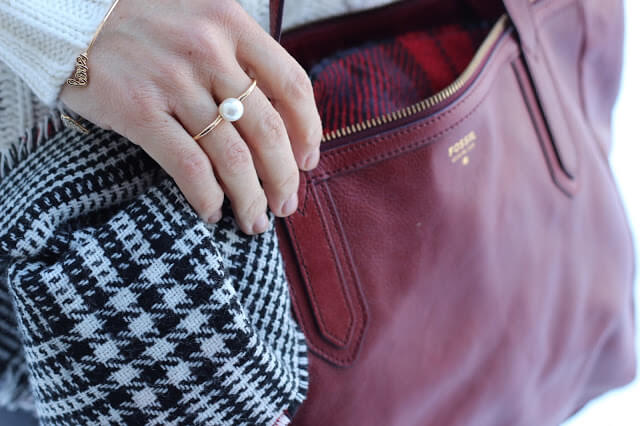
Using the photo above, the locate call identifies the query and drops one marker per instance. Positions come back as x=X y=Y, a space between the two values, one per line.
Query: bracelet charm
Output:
x=81 y=73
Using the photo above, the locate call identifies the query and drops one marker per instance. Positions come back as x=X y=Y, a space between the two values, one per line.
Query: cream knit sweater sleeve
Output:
x=39 y=39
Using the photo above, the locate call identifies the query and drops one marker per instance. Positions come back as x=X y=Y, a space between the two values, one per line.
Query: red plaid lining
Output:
x=379 y=77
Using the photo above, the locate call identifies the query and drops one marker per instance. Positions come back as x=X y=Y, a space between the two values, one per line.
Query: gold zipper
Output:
x=433 y=100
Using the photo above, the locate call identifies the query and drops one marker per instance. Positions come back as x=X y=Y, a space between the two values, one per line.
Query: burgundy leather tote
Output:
x=466 y=260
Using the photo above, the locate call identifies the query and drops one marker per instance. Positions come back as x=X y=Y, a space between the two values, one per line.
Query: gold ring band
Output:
x=209 y=128
x=220 y=118
x=247 y=92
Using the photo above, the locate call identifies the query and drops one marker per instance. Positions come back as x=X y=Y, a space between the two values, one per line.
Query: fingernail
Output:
x=261 y=224
x=312 y=159
x=290 y=205
x=215 y=217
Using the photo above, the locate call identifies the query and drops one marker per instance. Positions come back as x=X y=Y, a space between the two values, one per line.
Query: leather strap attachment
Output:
x=333 y=315
x=522 y=14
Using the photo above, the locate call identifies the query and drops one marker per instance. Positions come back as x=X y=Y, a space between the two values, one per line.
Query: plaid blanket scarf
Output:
x=118 y=305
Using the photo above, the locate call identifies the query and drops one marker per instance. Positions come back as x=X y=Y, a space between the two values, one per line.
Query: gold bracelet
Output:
x=74 y=124
x=81 y=73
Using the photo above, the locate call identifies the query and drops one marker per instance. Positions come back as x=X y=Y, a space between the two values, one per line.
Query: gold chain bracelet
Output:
x=81 y=73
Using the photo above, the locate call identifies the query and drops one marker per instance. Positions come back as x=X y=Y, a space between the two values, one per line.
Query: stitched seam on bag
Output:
x=309 y=283
x=328 y=173
x=303 y=202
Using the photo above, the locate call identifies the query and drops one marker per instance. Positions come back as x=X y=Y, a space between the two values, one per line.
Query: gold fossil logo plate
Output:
x=460 y=151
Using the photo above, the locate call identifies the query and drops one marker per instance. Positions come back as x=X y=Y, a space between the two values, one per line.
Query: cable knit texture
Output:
x=40 y=38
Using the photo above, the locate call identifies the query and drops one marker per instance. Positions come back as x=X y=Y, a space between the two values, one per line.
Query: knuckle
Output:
x=313 y=135
x=289 y=184
x=201 y=41
x=175 y=32
x=236 y=157
x=273 y=130
x=173 y=75
x=144 y=105
x=194 y=41
x=226 y=12
x=209 y=206
x=227 y=15
x=193 y=166
x=298 y=85
x=255 y=208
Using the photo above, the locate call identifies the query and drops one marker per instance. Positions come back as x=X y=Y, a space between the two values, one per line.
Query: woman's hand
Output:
x=157 y=72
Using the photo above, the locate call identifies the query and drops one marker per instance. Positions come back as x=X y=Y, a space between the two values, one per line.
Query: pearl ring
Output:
x=231 y=109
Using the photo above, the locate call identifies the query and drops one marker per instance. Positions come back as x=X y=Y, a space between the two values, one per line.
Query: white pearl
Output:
x=231 y=109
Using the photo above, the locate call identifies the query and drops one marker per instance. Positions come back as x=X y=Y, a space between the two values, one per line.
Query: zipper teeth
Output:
x=433 y=100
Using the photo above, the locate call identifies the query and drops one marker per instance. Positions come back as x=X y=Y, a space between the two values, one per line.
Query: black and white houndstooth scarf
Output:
x=118 y=305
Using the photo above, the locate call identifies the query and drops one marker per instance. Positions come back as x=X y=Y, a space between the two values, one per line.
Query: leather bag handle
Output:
x=276 y=8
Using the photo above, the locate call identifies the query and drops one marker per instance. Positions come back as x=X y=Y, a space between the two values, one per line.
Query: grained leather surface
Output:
x=493 y=293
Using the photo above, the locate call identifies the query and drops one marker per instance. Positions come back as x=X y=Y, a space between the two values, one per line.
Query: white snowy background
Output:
x=622 y=407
